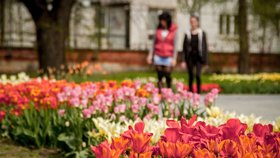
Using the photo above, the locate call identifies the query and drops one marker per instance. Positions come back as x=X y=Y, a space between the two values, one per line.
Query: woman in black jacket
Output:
x=195 y=52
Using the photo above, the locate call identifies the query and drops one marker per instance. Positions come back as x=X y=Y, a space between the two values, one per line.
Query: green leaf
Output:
x=70 y=141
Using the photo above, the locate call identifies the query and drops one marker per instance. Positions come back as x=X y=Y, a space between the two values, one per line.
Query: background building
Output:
x=130 y=24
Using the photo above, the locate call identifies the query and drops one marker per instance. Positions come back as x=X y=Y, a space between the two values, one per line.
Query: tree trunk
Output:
x=51 y=39
x=243 y=65
x=52 y=30
x=2 y=21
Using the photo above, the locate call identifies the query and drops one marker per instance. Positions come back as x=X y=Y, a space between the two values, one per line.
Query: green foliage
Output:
x=9 y=149
x=228 y=87
x=268 y=13
x=38 y=128
x=253 y=87
x=185 y=110
x=194 y=6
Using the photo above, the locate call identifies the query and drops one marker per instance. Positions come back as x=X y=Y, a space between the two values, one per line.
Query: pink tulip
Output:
x=156 y=99
x=196 y=100
x=142 y=101
x=149 y=87
x=120 y=108
x=135 y=108
x=215 y=91
x=119 y=94
x=87 y=113
x=148 y=116
x=61 y=112
x=74 y=101
x=187 y=95
x=123 y=119
x=137 y=84
x=61 y=97
x=128 y=91
x=84 y=102
x=153 y=108
x=179 y=87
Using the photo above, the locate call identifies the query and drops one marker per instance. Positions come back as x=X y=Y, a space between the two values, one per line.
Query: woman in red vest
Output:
x=163 y=53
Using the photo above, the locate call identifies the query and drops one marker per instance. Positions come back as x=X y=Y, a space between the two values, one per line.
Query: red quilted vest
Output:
x=164 y=47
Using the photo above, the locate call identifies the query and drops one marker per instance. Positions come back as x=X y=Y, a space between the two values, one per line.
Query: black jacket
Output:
x=203 y=47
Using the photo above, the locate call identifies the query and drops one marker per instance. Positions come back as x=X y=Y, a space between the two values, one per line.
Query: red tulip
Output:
x=104 y=150
x=260 y=131
x=172 y=124
x=140 y=142
x=208 y=131
x=233 y=129
x=171 y=135
x=119 y=143
x=2 y=115
x=138 y=128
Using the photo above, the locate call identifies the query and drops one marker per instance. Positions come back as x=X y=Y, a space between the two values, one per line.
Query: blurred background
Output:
x=243 y=35
x=82 y=42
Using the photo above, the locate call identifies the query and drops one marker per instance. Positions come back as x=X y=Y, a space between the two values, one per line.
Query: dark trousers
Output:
x=197 y=66
x=164 y=72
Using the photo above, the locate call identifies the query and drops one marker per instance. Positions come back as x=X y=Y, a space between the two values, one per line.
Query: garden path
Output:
x=266 y=106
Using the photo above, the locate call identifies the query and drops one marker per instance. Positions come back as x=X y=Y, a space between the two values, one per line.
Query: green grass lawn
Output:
x=132 y=75
x=228 y=87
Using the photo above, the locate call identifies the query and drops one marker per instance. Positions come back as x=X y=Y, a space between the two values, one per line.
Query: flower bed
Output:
x=72 y=116
x=262 y=83
x=128 y=100
x=261 y=77
x=58 y=114
x=194 y=139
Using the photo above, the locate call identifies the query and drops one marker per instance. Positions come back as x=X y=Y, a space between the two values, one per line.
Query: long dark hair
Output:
x=166 y=17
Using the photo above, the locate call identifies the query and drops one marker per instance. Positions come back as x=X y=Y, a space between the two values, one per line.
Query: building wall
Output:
x=229 y=43
x=113 y=61
x=209 y=17
x=20 y=30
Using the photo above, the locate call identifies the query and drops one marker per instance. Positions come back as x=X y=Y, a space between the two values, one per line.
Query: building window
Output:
x=228 y=24
x=17 y=26
x=92 y=26
x=100 y=27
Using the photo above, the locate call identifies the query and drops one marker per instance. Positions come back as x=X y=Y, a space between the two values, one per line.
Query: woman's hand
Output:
x=174 y=62
x=149 y=60
x=206 y=66
x=183 y=65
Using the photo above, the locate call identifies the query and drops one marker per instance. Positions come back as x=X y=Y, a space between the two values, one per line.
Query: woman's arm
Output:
x=185 y=52
x=175 y=53
x=204 y=48
x=151 y=52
